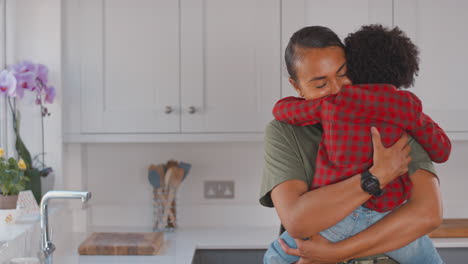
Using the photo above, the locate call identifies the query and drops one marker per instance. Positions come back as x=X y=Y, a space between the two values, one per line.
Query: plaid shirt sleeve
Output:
x=432 y=138
x=298 y=111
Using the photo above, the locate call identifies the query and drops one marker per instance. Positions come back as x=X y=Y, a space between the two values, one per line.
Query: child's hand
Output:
x=390 y=162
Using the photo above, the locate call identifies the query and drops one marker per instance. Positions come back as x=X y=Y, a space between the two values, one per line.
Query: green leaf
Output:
x=20 y=147
x=4 y=190
x=16 y=180
x=23 y=151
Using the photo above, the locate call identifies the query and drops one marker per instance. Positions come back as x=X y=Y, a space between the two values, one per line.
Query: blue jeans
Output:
x=420 y=251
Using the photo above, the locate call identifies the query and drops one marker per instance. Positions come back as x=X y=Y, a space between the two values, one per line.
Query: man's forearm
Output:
x=419 y=216
x=391 y=233
x=322 y=208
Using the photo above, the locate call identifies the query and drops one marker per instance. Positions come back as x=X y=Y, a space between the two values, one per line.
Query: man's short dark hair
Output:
x=308 y=38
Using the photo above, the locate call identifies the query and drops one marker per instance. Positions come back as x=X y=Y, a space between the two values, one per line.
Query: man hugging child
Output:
x=380 y=62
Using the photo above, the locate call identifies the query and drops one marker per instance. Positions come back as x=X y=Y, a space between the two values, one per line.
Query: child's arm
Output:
x=427 y=132
x=298 y=111
x=432 y=138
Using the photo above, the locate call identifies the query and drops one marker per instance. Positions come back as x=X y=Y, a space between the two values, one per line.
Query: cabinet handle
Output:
x=168 y=110
x=192 y=110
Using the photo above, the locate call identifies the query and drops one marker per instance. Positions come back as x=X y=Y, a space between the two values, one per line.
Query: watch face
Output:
x=371 y=185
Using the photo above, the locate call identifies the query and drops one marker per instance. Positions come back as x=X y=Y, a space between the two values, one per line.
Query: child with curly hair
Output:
x=380 y=62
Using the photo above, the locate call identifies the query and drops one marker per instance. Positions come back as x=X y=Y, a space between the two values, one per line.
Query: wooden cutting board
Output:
x=451 y=228
x=122 y=244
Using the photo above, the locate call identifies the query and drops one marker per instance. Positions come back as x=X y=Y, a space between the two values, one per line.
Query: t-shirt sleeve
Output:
x=282 y=161
x=419 y=158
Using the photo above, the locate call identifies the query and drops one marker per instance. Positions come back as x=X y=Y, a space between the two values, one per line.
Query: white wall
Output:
x=117 y=176
x=3 y=121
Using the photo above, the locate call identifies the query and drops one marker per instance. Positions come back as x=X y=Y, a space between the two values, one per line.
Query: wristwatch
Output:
x=370 y=184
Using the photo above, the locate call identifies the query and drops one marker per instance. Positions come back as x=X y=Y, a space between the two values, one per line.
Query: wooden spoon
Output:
x=171 y=163
x=156 y=177
x=166 y=187
x=176 y=175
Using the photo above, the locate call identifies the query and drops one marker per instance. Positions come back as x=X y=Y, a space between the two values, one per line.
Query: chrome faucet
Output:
x=47 y=246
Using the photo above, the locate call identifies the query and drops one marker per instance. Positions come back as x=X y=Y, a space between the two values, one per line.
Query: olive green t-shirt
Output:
x=290 y=153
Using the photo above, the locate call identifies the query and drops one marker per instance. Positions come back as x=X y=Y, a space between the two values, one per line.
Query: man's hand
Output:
x=390 y=162
x=316 y=250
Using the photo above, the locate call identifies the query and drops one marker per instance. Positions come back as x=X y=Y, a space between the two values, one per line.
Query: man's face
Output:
x=320 y=72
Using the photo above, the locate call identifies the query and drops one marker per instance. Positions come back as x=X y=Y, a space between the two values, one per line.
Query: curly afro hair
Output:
x=376 y=54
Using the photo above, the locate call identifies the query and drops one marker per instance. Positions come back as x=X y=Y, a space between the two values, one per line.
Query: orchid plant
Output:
x=27 y=76
x=24 y=77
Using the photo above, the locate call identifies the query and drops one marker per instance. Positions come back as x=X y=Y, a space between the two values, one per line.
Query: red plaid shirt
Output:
x=346 y=146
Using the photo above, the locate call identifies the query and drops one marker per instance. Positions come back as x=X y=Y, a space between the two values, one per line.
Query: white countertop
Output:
x=180 y=245
x=450 y=242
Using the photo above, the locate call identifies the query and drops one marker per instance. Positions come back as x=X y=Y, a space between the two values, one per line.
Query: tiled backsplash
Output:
x=116 y=174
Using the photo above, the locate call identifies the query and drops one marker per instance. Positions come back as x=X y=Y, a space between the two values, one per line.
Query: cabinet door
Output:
x=341 y=16
x=130 y=66
x=230 y=63
x=438 y=28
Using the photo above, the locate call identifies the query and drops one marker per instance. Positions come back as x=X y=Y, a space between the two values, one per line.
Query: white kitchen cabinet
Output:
x=230 y=64
x=341 y=16
x=438 y=28
x=152 y=70
x=218 y=65
x=130 y=66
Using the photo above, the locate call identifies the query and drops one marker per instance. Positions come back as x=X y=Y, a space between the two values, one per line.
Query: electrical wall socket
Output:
x=219 y=190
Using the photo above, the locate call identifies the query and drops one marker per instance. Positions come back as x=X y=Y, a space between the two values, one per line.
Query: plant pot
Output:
x=8 y=202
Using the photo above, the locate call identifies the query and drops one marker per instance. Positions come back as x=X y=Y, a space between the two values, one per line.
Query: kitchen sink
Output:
x=228 y=256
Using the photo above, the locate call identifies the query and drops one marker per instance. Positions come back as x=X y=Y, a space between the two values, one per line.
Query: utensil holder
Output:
x=159 y=203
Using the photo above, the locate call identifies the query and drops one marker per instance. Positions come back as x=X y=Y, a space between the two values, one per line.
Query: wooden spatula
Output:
x=176 y=175
x=156 y=177
x=171 y=163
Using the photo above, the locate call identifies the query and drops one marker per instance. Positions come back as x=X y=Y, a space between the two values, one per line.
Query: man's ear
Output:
x=296 y=87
